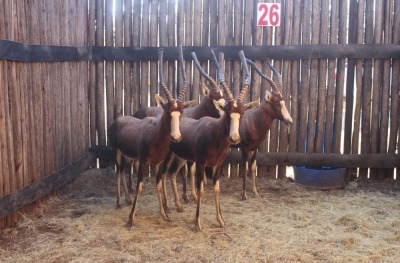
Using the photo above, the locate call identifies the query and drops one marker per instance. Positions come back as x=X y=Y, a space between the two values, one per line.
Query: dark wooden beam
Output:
x=323 y=159
x=16 y=51
x=384 y=160
x=44 y=186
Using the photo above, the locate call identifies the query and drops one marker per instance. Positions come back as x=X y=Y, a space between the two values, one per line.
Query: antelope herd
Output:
x=195 y=138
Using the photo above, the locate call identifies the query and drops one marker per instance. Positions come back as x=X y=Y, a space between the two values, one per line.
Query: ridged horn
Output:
x=203 y=73
x=277 y=75
x=161 y=73
x=246 y=76
x=222 y=78
x=273 y=85
x=185 y=82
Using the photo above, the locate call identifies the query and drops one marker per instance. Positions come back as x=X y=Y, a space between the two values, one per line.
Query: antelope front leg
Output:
x=220 y=219
x=133 y=170
x=200 y=190
x=192 y=171
x=164 y=192
x=176 y=195
x=184 y=173
x=139 y=189
x=160 y=187
x=244 y=194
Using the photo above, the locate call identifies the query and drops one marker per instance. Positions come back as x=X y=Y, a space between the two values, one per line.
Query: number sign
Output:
x=268 y=14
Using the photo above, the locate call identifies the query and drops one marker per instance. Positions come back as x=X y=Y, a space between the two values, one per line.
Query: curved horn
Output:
x=185 y=83
x=161 y=73
x=277 y=75
x=274 y=87
x=246 y=76
x=202 y=72
x=222 y=78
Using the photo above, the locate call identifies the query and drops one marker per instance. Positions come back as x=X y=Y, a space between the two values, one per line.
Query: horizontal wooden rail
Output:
x=16 y=51
x=44 y=186
x=308 y=159
x=375 y=160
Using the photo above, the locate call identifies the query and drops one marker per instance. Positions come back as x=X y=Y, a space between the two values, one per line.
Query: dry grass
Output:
x=289 y=223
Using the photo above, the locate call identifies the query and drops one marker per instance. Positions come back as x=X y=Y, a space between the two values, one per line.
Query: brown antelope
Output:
x=205 y=108
x=256 y=123
x=141 y=114
x=146 y=140
x=174 y=163
x=206 y=141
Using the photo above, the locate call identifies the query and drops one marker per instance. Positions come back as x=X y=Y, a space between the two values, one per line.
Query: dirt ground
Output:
x=288 y=223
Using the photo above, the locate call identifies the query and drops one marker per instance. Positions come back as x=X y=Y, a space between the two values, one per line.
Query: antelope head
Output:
x=274 y=98
x=172 y=107
x=232 y=108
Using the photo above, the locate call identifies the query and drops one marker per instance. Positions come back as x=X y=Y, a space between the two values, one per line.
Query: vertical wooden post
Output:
x=119 y=77
x=100 y=105
x=136 y=33
x=127 y=66
x=322 y=78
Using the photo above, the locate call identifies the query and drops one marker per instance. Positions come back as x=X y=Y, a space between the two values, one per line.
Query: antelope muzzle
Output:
x=176 y=135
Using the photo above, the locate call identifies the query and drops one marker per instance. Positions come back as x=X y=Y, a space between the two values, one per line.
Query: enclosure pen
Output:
x=69 y=68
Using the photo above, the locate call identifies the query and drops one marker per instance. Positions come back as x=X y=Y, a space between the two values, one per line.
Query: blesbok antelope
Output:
x=155 y=111
x=206 y=141
x=146 y=140
x=152 y=112
x=174 y=163
x=256 y=123
x=205 y=108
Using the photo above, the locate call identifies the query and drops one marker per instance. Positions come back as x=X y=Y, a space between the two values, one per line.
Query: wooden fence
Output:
x=344 y=105
x=52 y=112
x=43 y=106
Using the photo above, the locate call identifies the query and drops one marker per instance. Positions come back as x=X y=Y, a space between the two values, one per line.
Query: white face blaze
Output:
x=175 y=132
x=234 y=129
x=285 y=113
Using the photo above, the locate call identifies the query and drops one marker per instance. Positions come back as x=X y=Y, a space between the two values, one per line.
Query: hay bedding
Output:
x=289 y=223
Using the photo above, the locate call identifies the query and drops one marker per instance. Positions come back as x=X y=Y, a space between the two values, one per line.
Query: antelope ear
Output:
x=268 y=95
x=251 y=105
x=205 y=89
x=159 y=100
x=189 y=104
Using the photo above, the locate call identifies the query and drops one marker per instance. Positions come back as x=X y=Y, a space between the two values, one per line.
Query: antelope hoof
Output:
x=244 y=197
x=118 y=206
x=129 y=224
x=167 y=218
x=186 y=199
x=129 y=202
x=256 y=195
x=180 y=209
x=197 y=228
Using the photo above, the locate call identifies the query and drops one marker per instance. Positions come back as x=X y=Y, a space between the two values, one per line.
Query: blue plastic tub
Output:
x=324 y=178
